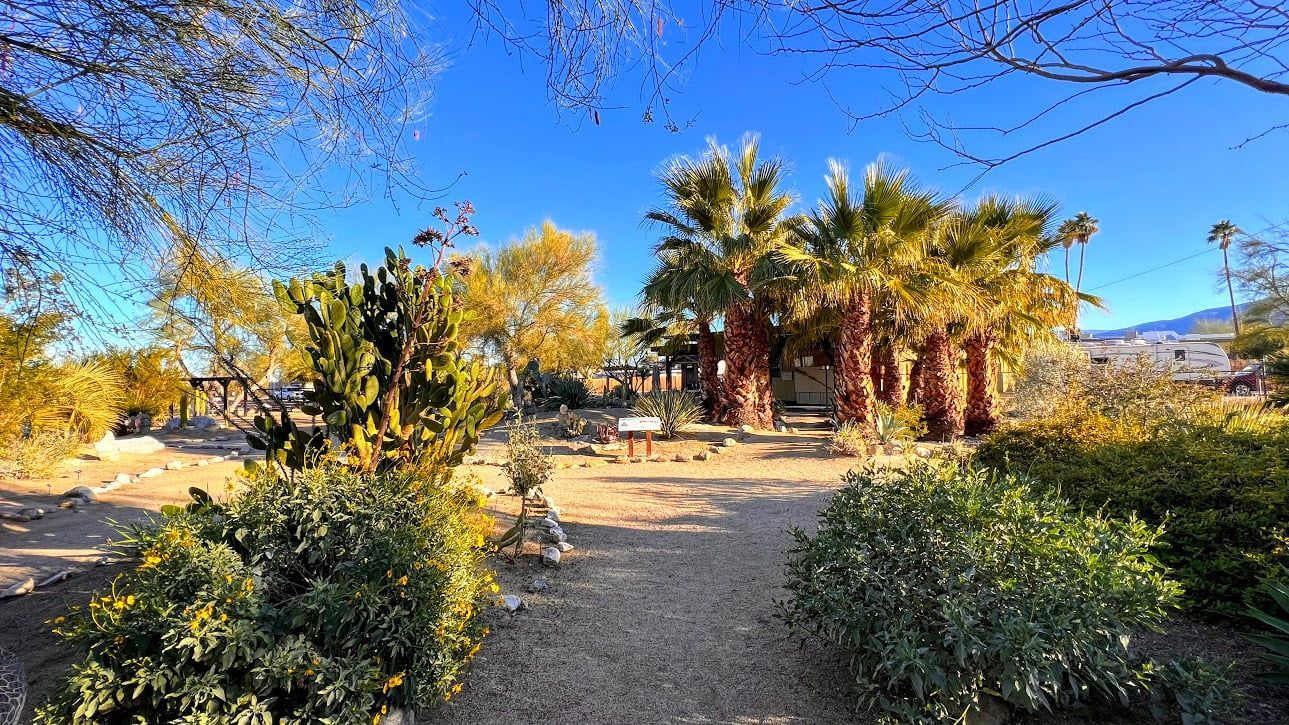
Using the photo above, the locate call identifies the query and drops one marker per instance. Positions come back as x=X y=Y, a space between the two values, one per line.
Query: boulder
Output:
x=399 y=716
x=700 y=456
x=174 y=465
x=715 y=450
x=123 y=479
x=550 y=556
x=657 y=458
x=746 y=429
x=538 y=585
x=106 y=448
x=84 y=493
x=203 y=422
x=202 y=462
x=729 y=443
x=512 y=603
x=682 y=458
x=172 y=424
x=924 y=452
x=139 y=445
x=549 y=523
x=556 y=535
x=19 y=589
x=564 y=546
x=552 y=513
x=152 y=473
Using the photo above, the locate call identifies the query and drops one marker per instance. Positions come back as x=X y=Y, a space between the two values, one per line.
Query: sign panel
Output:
x=633 y=425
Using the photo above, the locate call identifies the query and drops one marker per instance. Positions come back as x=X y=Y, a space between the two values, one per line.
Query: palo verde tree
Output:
x=390 y=380
x=122 y=122
x=535 y=299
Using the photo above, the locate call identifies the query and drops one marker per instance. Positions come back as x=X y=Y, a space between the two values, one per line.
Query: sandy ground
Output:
x=663 y=613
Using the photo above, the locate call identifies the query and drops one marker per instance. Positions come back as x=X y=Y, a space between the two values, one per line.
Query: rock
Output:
x=101 y=561
x=620 y=459
x=123 y=479
x=172 y=424
x=549 y=523
x=21 y=588
x=564 y=546
x=729 y=443
x=556 y=535
x=538 y=585
x=174 y=465
x=399 y=716
x=82 y=492
x=636 y=459
x=202 y=462
x=550 y=556
x=746 y=429
x=700 y=456
x=548 y=502
x=715 y=450
x=781 y=427
x=18 y=516
x=141 y=445
x=203 y=422
x=72 y=503
x=512 y=603
x=657 y=458
x=106 y=448
x=33 y=512
x=552 y=513
x=152 y=473
x=793 y=430
x=56 y=578
x=923 y=452
x=682 y=458
x=215 y=459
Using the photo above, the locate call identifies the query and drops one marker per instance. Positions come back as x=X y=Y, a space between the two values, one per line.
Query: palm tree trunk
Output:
x=708 y=370
x=914 y=396
x=748 y=397
x=981 y=414
x=889 y=392
x=1078 y=284
x=940 y=395
x=1067 y=265
x=853 y=359
x=1230 y=291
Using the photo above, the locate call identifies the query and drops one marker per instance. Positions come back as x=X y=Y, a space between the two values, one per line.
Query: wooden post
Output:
x=648 y=443
x=631 y=444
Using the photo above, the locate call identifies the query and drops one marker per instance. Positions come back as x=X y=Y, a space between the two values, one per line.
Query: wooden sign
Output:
x=632 y=425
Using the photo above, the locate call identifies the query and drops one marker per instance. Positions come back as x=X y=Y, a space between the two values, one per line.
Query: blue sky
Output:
x=1156 y=178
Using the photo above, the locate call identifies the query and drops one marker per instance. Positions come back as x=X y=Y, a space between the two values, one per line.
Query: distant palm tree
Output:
x=1222 y=233
x=1078 y=229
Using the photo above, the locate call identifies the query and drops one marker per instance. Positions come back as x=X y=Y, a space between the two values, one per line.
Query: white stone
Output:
x=81 y=492
x=202 y=462
x=715 y=450
x=17 y=590
x=106 y=448
x=123 y=479
x=538 y=585
x=202 y=422
x=564 y=546
x=729 y=443
x=553 y=514
x=174 y=465
x=56 y=578
x=140 y=445
x=550 y=556
x=549 y=523
x=746 y=429
x=556 y=535
x=152 y=473
x=512 y=602
x=923 y=452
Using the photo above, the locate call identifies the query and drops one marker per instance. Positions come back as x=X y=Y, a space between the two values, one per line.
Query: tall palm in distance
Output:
x=855 y=245
x=724 y=216
x=1223 y=233
x=1079 y=229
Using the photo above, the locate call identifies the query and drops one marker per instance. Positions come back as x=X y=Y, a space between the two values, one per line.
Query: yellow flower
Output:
x=494 y=588
x=402 y=581
x=129 y=601
x=375 y=719
x=389 y=574
x=392 y=682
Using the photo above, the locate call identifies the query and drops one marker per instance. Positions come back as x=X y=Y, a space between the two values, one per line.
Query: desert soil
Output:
x=663 y=613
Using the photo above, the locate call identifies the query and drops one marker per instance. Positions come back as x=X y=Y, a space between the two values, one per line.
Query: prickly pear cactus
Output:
x=390 y=382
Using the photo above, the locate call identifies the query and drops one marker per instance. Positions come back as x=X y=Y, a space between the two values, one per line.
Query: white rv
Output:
x=1188 y=359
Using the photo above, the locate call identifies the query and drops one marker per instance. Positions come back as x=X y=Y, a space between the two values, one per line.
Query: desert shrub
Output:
x=151 y=378
x=1220 y=484
x=676 y=409
x=1045 y=376
x=324 y=597
x=527 y=466
x=851 y=440
x=38 y=455
x=568 y=391
x=898 y=424
x=941 y=585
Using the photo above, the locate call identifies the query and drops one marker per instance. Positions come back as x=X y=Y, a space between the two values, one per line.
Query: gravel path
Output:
x=665 y=610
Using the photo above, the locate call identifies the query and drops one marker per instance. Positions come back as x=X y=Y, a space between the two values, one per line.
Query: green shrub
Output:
x=527 y=466
x=942 y=585
x=1221 y=486
x=899 y=424
x=1276 y=637
x=1192 y=691
x=676 y=409
x=568 y=391
x=323 y=597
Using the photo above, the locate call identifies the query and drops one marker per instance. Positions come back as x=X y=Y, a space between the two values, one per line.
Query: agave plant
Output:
x=1276 y=641
x=675 y=408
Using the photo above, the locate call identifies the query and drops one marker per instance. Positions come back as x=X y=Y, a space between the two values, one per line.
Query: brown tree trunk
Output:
x=853 y=360
x=708 y=370
x=889 y=389
x=747 y=394
x=940 y=396
x=981 y=415
x=914 y=396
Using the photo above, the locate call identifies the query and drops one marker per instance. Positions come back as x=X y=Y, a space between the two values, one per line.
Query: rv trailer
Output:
x=1187 y=359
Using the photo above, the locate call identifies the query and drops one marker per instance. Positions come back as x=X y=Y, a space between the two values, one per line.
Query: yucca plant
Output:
x=675 y=408
x=1276 y=640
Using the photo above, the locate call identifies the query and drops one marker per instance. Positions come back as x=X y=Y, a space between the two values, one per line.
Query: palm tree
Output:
x=853 y=247
x=1078 y=229
x=1222 y=233
x=1019 y=306
x=673 y=315
x=725 y=215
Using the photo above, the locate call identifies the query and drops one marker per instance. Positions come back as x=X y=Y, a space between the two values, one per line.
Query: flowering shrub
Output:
x=324 y=597
x=851 y=440
x=1219 y=480
x=942 y=585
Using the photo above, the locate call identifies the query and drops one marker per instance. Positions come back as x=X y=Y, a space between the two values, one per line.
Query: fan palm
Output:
x=853 y=247
x=724 y=216
x=1079 y=229
x=1223 y=233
